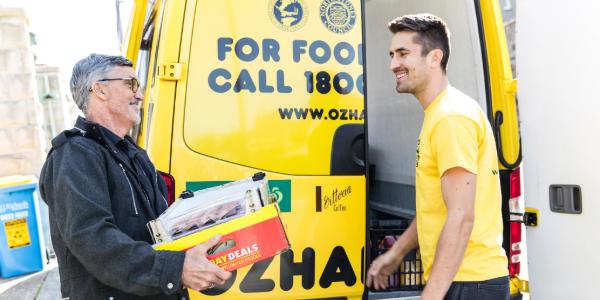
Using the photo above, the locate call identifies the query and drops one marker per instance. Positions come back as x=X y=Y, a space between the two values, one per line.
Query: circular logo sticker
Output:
x=288 y=15
x=338 y=16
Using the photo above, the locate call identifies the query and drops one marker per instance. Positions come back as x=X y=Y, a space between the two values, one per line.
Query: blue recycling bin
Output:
x=21 y=245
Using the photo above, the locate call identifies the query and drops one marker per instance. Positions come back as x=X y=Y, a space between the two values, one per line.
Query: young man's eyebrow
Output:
x=399 y=49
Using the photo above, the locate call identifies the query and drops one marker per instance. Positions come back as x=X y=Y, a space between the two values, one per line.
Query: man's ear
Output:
x=98 y=90
x=436 y=56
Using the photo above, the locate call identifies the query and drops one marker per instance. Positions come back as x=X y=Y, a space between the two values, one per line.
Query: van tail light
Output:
x=515 y=248
x=170 y=181
x=515 y=183
x=516 y=210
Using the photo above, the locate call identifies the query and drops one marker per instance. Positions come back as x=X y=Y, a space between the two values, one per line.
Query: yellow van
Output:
x=299 y=89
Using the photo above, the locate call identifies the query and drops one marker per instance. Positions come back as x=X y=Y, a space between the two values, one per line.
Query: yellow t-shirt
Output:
x=456 y=133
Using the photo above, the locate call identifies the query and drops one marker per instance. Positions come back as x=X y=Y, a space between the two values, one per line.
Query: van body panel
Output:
x=252 y=79
x=209 y=126
x=221 y=136
x=560 y=129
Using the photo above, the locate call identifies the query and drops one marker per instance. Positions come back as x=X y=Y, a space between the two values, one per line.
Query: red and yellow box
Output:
x=245 y=240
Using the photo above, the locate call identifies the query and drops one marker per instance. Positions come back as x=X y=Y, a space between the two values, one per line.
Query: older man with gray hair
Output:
x=101 y=190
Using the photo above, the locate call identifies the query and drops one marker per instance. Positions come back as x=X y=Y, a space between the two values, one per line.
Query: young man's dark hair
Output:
x=432 y=33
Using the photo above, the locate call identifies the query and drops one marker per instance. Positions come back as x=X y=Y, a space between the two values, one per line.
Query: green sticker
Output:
x=282 y=189
x=200 y=185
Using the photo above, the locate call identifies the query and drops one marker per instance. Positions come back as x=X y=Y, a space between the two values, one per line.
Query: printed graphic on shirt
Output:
x=418 y=155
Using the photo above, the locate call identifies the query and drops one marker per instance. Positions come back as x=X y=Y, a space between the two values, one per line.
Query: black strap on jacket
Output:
x=91 y=131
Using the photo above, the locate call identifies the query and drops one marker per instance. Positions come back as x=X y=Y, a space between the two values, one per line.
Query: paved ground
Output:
x=43 y=285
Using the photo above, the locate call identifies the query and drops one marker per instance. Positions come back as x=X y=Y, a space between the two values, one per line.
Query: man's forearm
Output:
x=407 y=241
x=449 y=255
x=458 y=191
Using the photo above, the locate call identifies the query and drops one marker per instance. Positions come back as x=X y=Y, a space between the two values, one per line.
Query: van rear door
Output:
x=276 y=86
x=558 y=82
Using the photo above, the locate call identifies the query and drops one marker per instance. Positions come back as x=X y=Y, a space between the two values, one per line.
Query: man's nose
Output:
x=139 y=95
x=394 y=64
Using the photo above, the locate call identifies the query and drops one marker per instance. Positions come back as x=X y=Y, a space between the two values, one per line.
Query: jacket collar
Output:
x=101 y=134
x=96 y=132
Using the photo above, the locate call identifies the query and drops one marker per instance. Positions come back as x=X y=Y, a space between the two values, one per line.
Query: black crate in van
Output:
x=409 y=276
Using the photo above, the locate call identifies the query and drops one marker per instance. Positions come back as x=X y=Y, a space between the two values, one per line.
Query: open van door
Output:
x=560 y=129
x=479 y=65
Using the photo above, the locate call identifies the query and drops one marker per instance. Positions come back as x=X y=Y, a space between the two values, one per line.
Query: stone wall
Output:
x=21 y=136
x=59 y=111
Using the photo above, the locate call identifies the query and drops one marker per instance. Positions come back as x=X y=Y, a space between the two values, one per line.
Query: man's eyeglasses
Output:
x=133 y=83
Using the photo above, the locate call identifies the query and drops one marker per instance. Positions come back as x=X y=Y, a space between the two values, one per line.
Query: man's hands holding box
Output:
x=198 y=272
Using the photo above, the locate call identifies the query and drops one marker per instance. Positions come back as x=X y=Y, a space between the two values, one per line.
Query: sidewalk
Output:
x=43 y=285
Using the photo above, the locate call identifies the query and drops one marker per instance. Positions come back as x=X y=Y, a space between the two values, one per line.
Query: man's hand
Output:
x=381 y=269
x=199 y=273
x=386 y=264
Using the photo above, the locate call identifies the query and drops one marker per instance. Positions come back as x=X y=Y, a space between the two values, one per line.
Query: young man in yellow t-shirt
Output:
x=458 y=223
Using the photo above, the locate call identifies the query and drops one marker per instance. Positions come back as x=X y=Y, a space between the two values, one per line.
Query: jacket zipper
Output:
x=130 y=189
x=145 y=192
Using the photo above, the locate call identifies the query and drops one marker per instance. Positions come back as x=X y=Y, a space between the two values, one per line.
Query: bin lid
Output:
x=16 y=180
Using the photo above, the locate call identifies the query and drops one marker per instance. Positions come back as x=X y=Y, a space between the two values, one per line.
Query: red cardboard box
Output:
x=244 y=240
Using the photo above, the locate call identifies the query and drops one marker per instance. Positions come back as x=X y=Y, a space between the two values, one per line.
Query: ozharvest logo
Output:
x=288 y=15
x=338 y=16
x=282 y=189
x=334 y=200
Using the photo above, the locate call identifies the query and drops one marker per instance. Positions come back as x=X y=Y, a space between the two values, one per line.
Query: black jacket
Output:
x=98 y=213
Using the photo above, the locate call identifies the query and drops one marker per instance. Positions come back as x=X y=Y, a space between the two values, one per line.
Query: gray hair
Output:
x=89 y=69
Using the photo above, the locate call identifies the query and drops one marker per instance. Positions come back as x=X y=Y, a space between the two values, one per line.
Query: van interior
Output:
x=394 y=121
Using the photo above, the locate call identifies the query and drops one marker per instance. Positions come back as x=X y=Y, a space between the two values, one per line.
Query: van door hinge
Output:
x=510 y=86
x=531 y=217
x=521 y=285
x=170 y=71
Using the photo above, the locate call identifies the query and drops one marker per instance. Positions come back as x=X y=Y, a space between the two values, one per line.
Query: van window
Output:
x=145 y=54
x=274 y=91
x=143 y=62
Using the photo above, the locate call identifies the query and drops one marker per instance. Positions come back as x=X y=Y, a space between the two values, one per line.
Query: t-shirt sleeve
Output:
x=455 y=142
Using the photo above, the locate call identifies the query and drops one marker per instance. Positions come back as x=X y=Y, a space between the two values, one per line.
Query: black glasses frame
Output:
x=134 y=84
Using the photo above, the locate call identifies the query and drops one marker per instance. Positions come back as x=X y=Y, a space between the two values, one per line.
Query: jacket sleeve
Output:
x=78 y=191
